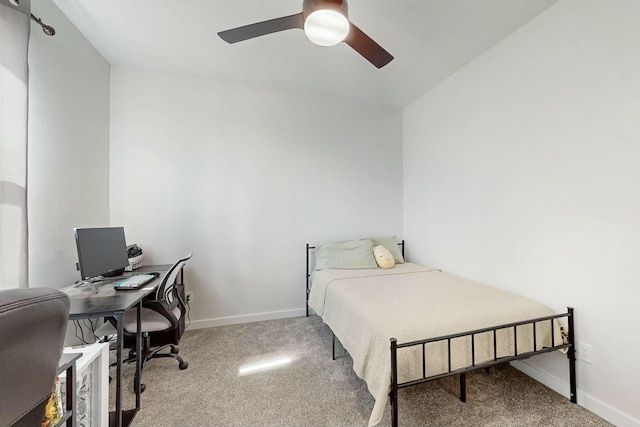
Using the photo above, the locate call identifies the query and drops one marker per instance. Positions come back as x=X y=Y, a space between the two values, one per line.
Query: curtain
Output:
x=14 y=74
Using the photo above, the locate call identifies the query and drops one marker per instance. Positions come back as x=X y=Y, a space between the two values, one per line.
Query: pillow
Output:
x=390 y=243
x=347 y=254
x=383 y=257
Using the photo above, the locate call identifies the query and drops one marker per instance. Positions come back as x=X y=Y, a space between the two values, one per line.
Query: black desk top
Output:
x=87 y=304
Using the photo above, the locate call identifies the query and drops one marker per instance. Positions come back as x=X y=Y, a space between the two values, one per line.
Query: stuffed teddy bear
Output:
x=383 y=257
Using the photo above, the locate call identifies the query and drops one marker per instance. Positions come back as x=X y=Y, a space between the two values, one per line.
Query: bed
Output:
x=411 y=324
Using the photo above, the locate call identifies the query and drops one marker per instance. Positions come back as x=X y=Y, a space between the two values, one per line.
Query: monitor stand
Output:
x=89 y=283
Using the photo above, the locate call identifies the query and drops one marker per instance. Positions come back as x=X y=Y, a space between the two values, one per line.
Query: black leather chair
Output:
x=33 y=323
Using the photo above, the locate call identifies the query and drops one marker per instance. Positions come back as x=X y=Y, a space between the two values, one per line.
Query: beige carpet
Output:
x=313 y=390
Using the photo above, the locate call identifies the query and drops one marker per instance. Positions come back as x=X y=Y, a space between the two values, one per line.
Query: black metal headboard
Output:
x=308 y=288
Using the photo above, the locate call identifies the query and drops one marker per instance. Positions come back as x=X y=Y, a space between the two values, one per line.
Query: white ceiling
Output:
x=430 y=39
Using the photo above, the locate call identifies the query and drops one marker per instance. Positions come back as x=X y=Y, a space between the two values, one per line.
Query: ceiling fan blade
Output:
x=365 y=46
x=258 y=29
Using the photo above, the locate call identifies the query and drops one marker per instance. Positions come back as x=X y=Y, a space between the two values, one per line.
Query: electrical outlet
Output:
x=189 y=296
x=585 y=353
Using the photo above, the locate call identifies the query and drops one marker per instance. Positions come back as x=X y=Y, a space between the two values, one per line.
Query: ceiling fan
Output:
x=325 y=23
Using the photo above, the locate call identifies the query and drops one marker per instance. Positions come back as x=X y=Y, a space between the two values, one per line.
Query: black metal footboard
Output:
x=567 y=344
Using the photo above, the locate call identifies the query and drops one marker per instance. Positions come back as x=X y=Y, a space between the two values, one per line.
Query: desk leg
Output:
x=71 y=395
x=119 y=342
x=138 y=379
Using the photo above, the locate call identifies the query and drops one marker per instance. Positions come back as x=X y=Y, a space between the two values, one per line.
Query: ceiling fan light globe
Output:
x=326 y=27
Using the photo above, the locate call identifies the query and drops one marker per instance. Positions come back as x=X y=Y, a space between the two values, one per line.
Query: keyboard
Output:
x=135 y=282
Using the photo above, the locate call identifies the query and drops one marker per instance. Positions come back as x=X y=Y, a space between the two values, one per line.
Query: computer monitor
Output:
x=101 y=251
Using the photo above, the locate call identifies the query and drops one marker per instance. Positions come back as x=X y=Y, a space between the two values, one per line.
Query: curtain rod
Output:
x=48 y=30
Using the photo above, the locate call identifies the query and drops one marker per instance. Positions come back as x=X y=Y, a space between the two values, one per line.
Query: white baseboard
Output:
x=585 y=400
x=234 y=320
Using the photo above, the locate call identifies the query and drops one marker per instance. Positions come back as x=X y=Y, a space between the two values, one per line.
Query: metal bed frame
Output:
x=569 y=345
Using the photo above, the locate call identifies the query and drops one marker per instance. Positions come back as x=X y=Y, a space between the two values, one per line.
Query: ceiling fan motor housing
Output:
x=309 y=6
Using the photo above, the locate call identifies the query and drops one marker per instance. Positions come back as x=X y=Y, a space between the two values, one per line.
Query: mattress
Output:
x=366 y=307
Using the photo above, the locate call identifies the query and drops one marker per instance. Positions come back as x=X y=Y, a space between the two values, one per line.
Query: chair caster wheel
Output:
x=142 y=388
x=183 y=366
x=175 y=350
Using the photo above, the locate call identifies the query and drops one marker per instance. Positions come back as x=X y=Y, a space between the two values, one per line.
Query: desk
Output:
x=108 y=302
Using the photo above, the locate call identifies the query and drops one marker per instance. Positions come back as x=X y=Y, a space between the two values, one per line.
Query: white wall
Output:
x=68 y=145
x=521 y=171
x=243 y=177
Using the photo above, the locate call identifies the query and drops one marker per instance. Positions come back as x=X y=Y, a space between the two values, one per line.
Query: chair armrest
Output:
x=33 y=323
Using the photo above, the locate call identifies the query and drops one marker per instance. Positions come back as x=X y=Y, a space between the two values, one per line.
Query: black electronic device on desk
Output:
x=135 y=282
x=102 y=252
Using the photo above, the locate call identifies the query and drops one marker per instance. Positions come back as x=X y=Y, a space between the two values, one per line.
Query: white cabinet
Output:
x=92 y=384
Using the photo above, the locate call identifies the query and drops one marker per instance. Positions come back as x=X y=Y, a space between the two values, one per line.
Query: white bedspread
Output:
x=365 y=308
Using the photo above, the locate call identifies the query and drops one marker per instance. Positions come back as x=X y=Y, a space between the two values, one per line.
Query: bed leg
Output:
x=333 y=347
x=571 y=354
x=393 y=394
x=463 y=387
x=307 y=279
x=393 y=401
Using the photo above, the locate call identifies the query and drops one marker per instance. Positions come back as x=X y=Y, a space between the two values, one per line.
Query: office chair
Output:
x=33 y=323
x=162 y=321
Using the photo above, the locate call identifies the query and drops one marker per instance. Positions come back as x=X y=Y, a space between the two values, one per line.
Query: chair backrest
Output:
x=33 y=323
x=165 y=289
x=166 y=301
